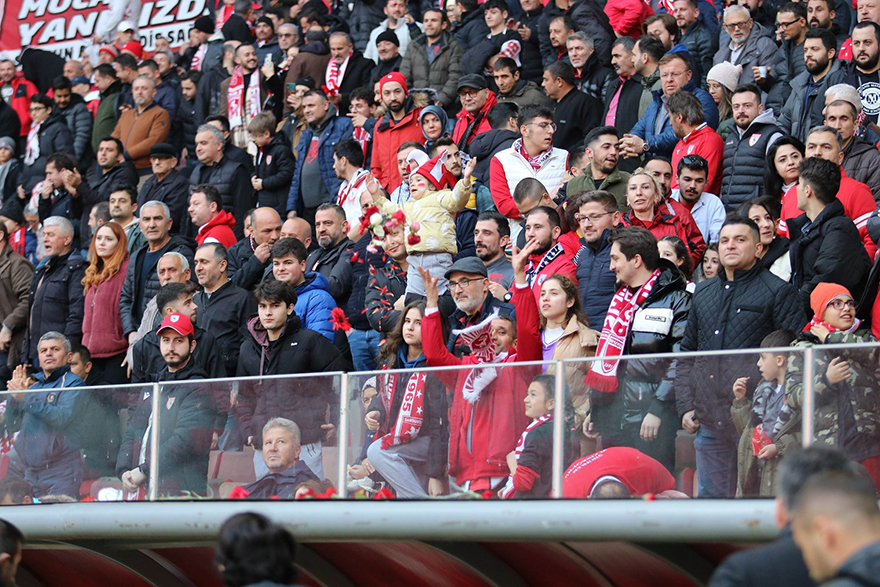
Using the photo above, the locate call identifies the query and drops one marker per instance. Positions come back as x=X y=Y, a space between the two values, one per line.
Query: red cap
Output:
x=179 y=323
x=109 y=49
x=394 y=76
x=134 y=48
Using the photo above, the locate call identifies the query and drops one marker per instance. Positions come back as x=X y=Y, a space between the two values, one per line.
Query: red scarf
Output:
x=334 y=70
x=520 y=444
x=538 y=161
x=363 y=138
x=199 y=56
x=356 y=181
x=412 y=409
x=18 y=239
x=236 y=99
x=816 y=322
x=603 y=374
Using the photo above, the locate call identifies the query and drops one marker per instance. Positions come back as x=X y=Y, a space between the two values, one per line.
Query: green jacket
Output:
x=615 y=184
x=106 y=116
x=751 y=480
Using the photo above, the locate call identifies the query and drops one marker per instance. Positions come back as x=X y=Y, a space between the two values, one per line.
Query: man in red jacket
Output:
x=206 y=211
x=696 y=137
x=399 y=125
x=17 y=92
x=543 y=224
x=476 y=102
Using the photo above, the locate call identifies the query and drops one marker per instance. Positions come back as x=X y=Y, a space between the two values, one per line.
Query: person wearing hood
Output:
x=506 y=72
x=275 y=164
x=312 y=59
x=314 y=305
x=277 y=343
x=48 y=134
x=434 y=122
x=749 y=46
x=388 y=55
x=10 y=167
x=485 y=146
x=861 y=160
x=207 y=213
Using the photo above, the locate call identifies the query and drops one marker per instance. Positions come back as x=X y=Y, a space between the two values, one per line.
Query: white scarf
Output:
x=236 y=100
x=32 y=152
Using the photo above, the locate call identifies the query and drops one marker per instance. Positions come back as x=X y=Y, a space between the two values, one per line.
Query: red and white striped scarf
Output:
x=538 y=161
x=346 y=189
x=603 y=374
x=32 y=149
x=335 y=73
x=363 y=138
x=236 y=99
x=412 y=409
x=520 y=444
x=199 y=57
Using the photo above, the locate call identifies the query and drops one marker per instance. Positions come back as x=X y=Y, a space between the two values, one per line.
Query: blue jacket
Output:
x=47 y=420
x=314 y=305
x=664 y=143
x=597 y=283
x=338 y=128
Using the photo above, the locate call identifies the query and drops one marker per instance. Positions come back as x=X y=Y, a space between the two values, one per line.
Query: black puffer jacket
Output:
x=305 y=400
x=532 y=64
x=187 y=113
x=472 y=29
x=147 y=362
x=97 y=187
x=79 y=121
x=727 y=315
x=646 y=385
x=595 y=79
x=275 y=166
x=485 y=146
x=244 y=269
x=861 y=161
x=591 y=19
x=363 y=264
x=334 y=264
x=54 y=137
x=56 y=302
x=831 y=252
x=224 y=314
x=702 y=45
x=860 y=570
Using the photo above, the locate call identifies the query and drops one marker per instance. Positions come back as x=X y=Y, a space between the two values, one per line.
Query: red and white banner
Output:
x=65 y=27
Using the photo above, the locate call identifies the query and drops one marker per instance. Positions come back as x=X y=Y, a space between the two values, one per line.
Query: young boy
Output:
x=768 y=426
x=531 y=463
x=274 y=168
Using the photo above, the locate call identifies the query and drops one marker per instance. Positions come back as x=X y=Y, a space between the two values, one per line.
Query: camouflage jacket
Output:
x=860 y=390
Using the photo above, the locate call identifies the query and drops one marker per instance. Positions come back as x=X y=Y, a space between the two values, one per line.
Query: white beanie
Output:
x=725 y=73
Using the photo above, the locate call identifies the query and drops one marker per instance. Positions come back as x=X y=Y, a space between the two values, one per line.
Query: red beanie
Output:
x=394 y=76
x=823 y=295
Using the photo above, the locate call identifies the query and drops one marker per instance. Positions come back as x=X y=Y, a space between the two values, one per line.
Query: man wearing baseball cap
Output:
x=469 y=287
x=186 y=420
x=476 y=102
x=399 y=125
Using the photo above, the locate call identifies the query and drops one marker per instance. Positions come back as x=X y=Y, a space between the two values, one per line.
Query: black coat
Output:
x=10 y=123
x=357 y=74
x=472 y=29
x=771 y=565
x=147 y=362
x=363 y=265
x=627 y=103
x=305 y=400
x=185 y=431
x=173 y=190
x=334 y=264
x=236 y=29
x=485 y=145
x=96 y=187
x=224 y=315
x=532 y=64
x=831 y=251
x=281 y=485
x=233 y=182
x=575 y=115
x=187 y=113
x=476 y=57
x=725 y=315
x=56 y=302
x=208 y=94
x=243 y=268
x=54 y=137
x=275 y=166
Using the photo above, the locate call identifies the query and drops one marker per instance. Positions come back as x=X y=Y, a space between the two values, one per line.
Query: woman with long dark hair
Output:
x=783 y=161
x=765 y=212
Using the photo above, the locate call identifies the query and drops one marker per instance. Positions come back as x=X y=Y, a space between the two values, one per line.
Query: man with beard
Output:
x=491 y=239
x=707 y=210
x=549 y=258
x=597 y=215
x=239 y=93
x=821 y=14
x=744 y=154
x=862 y=72
x=861 y=161
x=399 y=125
x=803 y=109
x=440 y=71
x=747 y=45
x=143 y=126
x=792 y=23
x=333 y=258
x=603 y=153
x=473 y=300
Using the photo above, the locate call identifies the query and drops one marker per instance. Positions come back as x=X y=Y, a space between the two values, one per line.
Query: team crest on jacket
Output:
x=754 y=139
x=169 y=403
x=691 y=149
x=268 y=159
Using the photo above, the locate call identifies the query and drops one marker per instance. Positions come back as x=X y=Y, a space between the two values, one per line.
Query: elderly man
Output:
x=143 y=126
x=281 y=450
x=229 y=177
x=56 y=292
x=333 y=258
x=348 y=69
x=861 y=161
x=476 y=102
x=749 y=46
x=48 y=441
x=166 y=185
x=250 y=261
x=590 y=76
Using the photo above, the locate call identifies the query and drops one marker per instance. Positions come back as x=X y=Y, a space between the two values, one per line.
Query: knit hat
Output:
x=394 y=76
x=824 y=294
x=12 y=209
x=204 y=24
x=109 y=49
x=436 y=172
x=266 y=20
x=388 y=35
x=725 y=73
x=512 y=49
x=135 y=49
x=8 y=143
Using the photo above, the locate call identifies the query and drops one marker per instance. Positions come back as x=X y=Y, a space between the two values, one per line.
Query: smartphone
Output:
x=291 y=89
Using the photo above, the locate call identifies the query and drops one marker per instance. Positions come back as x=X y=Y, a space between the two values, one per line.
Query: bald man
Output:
x=299 y=229
x=250 y=260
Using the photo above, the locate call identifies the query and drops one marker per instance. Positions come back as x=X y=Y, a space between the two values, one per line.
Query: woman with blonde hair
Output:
x=102 y=285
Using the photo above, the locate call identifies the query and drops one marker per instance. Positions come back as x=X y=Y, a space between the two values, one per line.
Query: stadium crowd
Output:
x=361 y=186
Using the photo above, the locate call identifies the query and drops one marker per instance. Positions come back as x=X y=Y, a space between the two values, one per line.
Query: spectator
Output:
x=388 y=58
x=399 y=125
x=748 y=47
x=123 y=205
x=299 y=229
x=558 y=28
x=229 y=177
x=397 y=24
x=528 y=25
x=16 y=273
x=184 y=432
x=143 y=126
x=15 y=491
x=314 y=156
x=410 y=155
x=722 y=80
x=705 y=208
x=791 y=21
x=225 y=307
x=602 y=152
x=312 y=59
x=141 y=279
x=240 y=100
x=48 y=135
x=822 y=14
x=500 y=40
x=590 y=76
x=413 y=462
x=77 y=116
x=56 y=295
x=48 y=439
x=614 y=473
x=596 y=218
x=472 y=26
x=297 y=350
x=531 y=156
x=10 y=165
x=511 y=88
x=362 y=112
x=11 y=84
x=266 y=42
x=111 y=100
x=314 y=305
x=823 y=235
x=485 y=146
x=627 y=97
x=206 y=212
x=782 y=163
x=528 y=195
x=476 y=102
x=663 y=26
x=861 y=161
x=281 y=451
x=348 y=161
x=865 y=63
x=695 y=137
x=386 y=288
x=21 y=238
x=208 y=95
x=275 y=162
x=250 y=259
x=764 y=212
x=643 y=195
x=703 y=384
x=491 y=240
x=195 y=56
x=111 y=172
x=166 y=185
x=803 y=109
x=251 y=550
x=102 y=286
x=167 y=96
x=164 y=59
x=575 y=112
x=675 y=71
x=189 y=88
x=434 y=121
x=547 y=257
x=348 y=69
x=55 y=199
x=701 y=43
x=236 y=26
x=643 y=416
x=333 y=258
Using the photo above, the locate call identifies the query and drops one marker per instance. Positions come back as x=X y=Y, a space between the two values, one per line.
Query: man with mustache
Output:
x=603 y=153
x=862 y=72
x=822 y=14
x=745 y=150
x=399 y=125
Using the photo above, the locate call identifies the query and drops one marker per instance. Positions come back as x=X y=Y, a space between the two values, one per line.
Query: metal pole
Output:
x=809 y=400
x=342 y=436
x=153 y=494
x=558 y=432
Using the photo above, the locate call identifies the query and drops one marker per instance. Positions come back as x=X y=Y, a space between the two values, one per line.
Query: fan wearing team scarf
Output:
x=486 y=418
x=531 y=463
x=845 y=382
x=431 y=213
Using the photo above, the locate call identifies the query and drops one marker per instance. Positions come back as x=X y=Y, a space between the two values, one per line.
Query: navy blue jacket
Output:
x=664 y=143
x=596 y=282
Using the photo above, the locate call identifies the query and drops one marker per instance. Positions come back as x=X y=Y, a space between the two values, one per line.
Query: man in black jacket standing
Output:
x=166 y=185
x=734 y=310
x=279 y=344
x=333 y=258
x=576 y=112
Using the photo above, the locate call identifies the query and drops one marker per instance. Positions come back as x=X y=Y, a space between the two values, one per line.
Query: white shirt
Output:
x=708 y=213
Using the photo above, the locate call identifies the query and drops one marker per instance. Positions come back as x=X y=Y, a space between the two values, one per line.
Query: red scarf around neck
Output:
x=412 y=410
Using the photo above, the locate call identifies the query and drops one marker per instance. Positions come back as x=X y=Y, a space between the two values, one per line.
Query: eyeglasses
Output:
x=462 y=283
x=36 y=108
x=672 y=74
x=285 y=34
x=841 y=304
x=544 y=125
x=738 y=25
x=785 y=25
x=468 y=93
x=592 y=218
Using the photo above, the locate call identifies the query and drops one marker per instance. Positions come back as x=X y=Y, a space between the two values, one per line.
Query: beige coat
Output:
x=578 y=341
